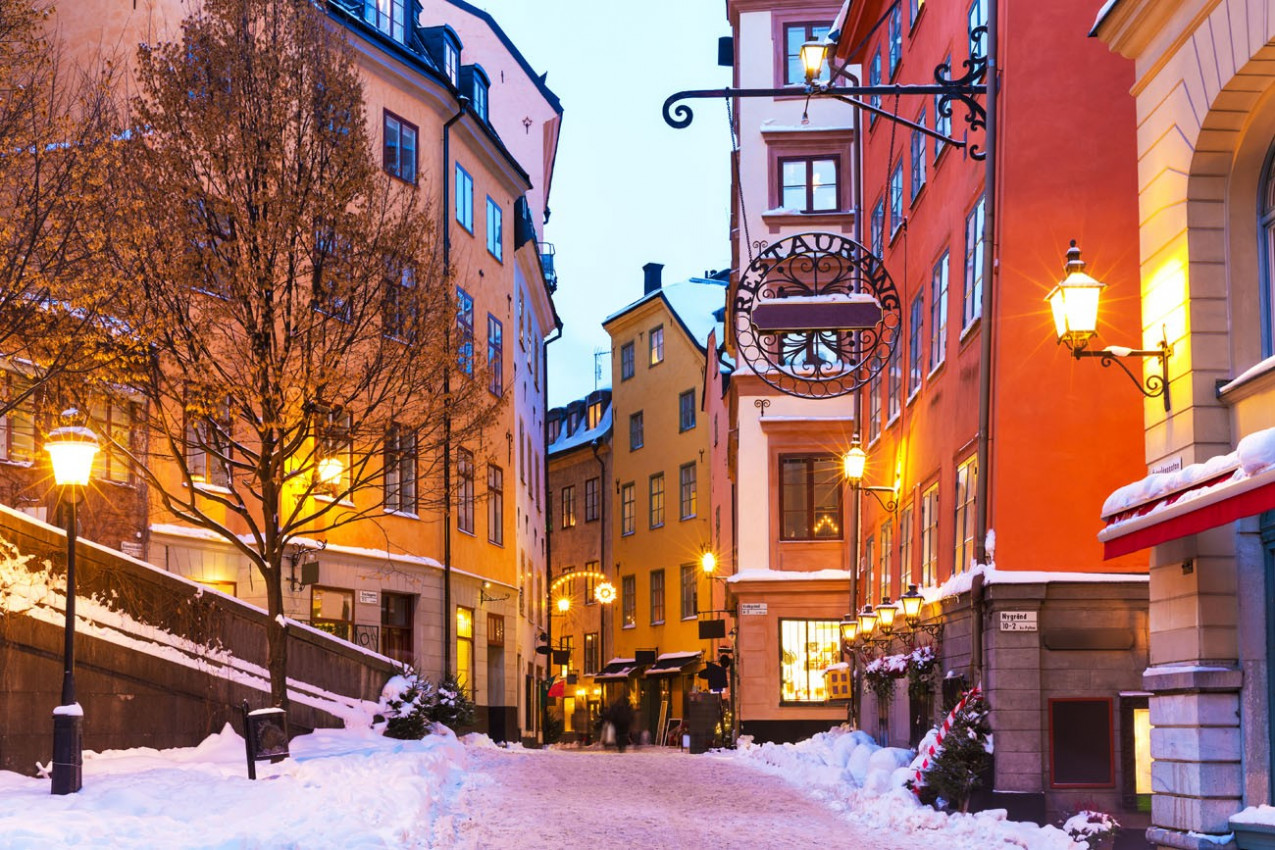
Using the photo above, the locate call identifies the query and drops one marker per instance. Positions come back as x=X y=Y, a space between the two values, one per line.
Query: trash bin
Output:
x=703 y=711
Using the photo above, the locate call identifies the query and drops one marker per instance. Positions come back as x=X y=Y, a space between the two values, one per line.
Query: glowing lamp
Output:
x=330 y=471
x=885 y=616
x=867 y=622
x=853 y=463
x=604 y=593
x=708 y=562
x=564 y=604
x=1074 y=303
x=849 y=628
x=813 y=54
x=71 y=450
x=912 y=601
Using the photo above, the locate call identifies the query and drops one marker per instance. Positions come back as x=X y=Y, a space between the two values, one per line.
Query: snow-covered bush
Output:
x=922 y=663
x=407 y=702
x=452 y=706
x=1089 y=828
x=881 y=673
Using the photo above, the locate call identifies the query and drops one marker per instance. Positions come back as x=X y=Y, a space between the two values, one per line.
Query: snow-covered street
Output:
x=652 y=798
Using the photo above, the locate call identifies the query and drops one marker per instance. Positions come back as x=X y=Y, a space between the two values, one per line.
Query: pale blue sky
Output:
x=628 y=189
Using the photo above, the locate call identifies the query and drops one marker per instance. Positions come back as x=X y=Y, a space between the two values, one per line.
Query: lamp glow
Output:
x=71 y=450
x=813 y=54
x=885 y=616
x=330 y=470
x=564 y=604
x=1074 y=303
x=708 y=562
x=853 y=463
x=867 y=621
x=849 y=628
x=912 y=601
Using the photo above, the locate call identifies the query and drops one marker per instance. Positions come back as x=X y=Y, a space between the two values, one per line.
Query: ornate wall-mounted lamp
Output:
x=1074 y=303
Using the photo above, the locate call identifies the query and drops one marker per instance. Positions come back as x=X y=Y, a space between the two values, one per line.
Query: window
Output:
x=207 y=449
x=877 y=225
x=810 y=497
x=465 y=490
x=388 y=16
x=465 y=650
x=905 y=548
x=966 y=487
x=495 y=229
x=400 y=148
x=895 y=401
x=626 y=361
x=464 y=331
x=973 y=292
x=524 y=449
x=874 y=407
x=628 y=601
x=17 y=427
x=938 y=313
x=916 y=316
x=978 y=18
x=918 y=158
x=896 y=39
x=593 y=414
x=113 y=419
x=686 y=411
x=592 y=492
x=686 y=490
x=657 y=500
x=914 y=11
x=592 y=647
x=874 y=79
x=569 y=507
x=464 y=198
x=480 y=94
x=1135 y=750
x=690 y=601
x=1080 y=743
x=806 y=649
x=656 y=343
x=796 y=35
x=657 y=597
x=930 y=536
x=333 y=443
x=495 y=356
x=869 y=566
x=495 y=630
x=887 y=552
x=628 y=509
x=398 y=313
x=1266 y=239
x=400 y=469
x=591 y=583
x=896 y=196
x=332 y=610
x=495 y=505
x=396 y=626
x=636 y=435
x=942 y=119
x=451 y=60
x=810 y=184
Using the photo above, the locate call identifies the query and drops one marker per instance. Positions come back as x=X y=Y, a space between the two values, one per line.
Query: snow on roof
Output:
x=1254 y=455
x=672 y=656
x=961 y=582
x=583 y=435
x=1102 y=16
x=695 y=303
x=789 y=575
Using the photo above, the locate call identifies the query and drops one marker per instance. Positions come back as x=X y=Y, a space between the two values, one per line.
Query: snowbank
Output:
x=856 y=776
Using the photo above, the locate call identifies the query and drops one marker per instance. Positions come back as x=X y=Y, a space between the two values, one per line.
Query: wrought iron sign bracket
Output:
x=888 y=502
x=964 y=89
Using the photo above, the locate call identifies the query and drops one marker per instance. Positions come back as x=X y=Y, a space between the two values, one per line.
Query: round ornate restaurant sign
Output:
x=817 y=315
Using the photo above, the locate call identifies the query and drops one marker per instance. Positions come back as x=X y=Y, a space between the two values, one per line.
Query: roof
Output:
x=582 y=435
x=538 y=79
x=698 y=304
x=1107 y=9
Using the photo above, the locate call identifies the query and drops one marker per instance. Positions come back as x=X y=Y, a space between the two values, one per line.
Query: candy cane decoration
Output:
x=938 y=742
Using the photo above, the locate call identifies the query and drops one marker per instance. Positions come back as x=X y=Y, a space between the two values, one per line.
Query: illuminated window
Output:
x=810 y=184
x=657 y=597
x=930 y=535
x=332 y=610
x=465 y=650
x=905 y=548
x=810 y=497
x=568 y=507
x=806 y=649
x=592 y=647
x=966 y=487
x=686 y=486
x=17 y=427
x=887 y=550
x=628 y=600
x=656 y=345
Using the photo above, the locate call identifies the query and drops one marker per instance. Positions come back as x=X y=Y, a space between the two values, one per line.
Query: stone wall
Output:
x=177 y=670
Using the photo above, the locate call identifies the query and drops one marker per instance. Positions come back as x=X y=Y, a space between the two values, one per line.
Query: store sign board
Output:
x=1018 y=621
x=752 y=609
x=369 y=597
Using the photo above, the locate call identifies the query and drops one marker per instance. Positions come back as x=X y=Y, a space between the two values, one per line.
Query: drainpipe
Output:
x=544 y=442
x=981 y=495
x=461 y=103
x=602 y=540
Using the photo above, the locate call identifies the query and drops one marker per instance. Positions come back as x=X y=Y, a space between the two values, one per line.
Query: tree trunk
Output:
x=277 y=641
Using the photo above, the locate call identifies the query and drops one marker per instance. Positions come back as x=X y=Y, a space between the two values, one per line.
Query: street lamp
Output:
x=885 y=616
x=564 y=604
x=1074 y=303
x=867 y=622
x=708 y=562
x=813 y=54
x=71 y=451
x=912 y=601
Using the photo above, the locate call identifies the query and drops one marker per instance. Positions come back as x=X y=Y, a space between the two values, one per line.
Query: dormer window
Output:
x=480 y=96
x=388 y=16
x=451 y=59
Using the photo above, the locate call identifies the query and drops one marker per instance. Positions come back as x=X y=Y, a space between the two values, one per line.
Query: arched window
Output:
x=1266 y=247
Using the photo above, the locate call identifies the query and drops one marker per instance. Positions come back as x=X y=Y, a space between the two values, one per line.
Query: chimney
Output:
x=653 y=281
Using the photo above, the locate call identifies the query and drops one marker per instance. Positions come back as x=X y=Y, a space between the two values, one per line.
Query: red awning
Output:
x=1204 y=505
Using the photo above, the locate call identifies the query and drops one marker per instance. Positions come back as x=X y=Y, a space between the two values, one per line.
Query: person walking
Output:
x=621 y=717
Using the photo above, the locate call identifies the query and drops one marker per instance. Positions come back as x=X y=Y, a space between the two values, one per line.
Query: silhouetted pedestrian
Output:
x=621 y=717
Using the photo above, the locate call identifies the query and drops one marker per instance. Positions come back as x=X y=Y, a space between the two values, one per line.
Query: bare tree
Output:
x=57 y=126
x=298 y=335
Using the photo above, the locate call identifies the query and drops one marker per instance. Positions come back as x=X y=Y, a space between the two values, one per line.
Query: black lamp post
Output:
x=71 y=450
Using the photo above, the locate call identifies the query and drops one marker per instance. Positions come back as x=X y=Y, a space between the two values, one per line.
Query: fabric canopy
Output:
x=673 y=663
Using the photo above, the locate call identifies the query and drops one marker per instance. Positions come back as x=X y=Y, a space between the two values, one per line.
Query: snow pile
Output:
x=1088 y=828
x=340 y=788
x=854 y=775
